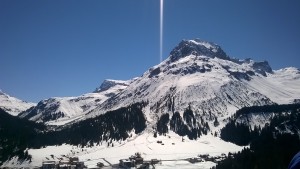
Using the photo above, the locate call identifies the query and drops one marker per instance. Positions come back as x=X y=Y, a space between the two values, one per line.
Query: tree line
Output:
x=271 y=146
x=19 y=134
x=186 y=125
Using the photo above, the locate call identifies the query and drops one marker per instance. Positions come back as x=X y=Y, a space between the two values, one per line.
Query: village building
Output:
x=72 y=163
x=49 y=165
x=127 y=163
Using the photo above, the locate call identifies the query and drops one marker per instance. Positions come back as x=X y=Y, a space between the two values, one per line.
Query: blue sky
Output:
x=51 y=48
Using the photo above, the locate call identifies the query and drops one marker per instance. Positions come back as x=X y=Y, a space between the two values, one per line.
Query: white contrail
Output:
x=161 y=29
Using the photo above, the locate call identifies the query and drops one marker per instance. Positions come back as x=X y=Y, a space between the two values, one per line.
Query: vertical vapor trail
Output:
x=161 y=29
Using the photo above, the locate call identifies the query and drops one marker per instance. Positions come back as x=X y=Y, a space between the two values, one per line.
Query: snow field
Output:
x=171 y=148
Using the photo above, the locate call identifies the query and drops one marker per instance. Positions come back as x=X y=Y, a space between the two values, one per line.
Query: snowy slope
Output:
x=282 y=86
x=13 y=105
x=286 y=114
x=61 y=110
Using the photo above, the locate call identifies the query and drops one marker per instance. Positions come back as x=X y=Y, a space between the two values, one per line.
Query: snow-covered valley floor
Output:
x=173 y=147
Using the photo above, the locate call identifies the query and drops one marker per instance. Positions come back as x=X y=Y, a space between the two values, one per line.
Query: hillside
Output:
x=63 y=110
x=272 y=133
x=16 y=136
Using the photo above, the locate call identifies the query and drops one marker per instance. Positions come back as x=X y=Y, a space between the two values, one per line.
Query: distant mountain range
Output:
x=61 y=110
x=13 y=105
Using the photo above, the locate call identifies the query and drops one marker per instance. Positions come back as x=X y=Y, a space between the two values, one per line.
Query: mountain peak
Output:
x=109 y=83
x=13 y=105
x=197 y=47
x=2 y=93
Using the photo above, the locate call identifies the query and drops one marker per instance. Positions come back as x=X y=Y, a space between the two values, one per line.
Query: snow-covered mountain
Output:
x=13 y=105
x=201 y=75
x=182 y=105
x=282 y=86
x=61 y=110
x=197 y=74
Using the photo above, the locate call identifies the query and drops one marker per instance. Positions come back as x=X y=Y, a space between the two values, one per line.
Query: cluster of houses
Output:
x=137 y=161
x=206 y=157
x=72 y=163
x=134 y=161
